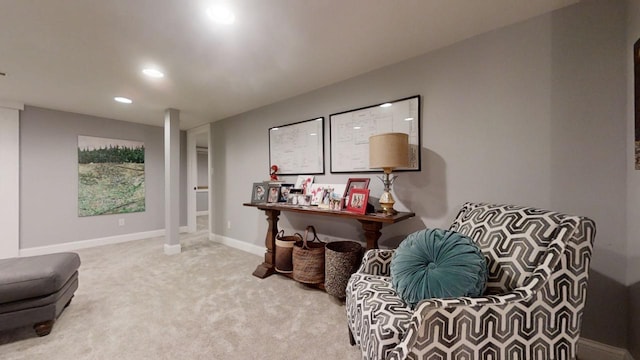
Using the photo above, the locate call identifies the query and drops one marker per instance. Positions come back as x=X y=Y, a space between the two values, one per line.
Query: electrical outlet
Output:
x=120 y=222
x=228 y=224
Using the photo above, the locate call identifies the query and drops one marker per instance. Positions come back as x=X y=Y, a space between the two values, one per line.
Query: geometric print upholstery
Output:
x=539 y=262
x=512 y=238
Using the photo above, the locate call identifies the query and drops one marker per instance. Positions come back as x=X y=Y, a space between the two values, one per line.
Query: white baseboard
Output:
x=201 y=213
x=593 y=350
x=83 y=244
x=172 y=249
x=240 y=245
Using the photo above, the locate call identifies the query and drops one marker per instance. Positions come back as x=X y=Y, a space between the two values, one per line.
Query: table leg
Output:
x=371 y=233
x=268 y=266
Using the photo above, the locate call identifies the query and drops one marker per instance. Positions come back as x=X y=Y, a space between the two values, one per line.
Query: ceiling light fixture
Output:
x=221 y=14
x=385 y=105
x=153 y=73
x=123 y=100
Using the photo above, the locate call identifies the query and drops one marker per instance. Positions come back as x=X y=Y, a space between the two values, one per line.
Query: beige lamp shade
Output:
x=390 y=150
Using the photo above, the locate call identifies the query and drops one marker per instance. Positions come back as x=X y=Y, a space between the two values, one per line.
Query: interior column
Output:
x=172 y=181
x=10 y=179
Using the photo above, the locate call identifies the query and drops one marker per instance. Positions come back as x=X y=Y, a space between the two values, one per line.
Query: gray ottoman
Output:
x=34 y=290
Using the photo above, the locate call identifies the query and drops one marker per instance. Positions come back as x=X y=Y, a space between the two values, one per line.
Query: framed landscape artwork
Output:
x=110 y=176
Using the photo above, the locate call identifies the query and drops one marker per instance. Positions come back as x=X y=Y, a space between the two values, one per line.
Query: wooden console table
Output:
x=371 y=225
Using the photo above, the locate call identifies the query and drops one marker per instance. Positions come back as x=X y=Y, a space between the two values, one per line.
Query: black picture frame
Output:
x=349 y=133
x=285 y=189
x=298 y=148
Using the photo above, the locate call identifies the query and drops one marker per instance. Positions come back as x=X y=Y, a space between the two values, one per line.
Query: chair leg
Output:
x=352 y=341
x=44 y=328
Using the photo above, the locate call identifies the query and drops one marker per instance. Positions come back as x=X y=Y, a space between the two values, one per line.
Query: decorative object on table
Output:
x=351 y=129
x=259 y=193
x=388 y=152
x=342 y=259
x=358 y=199
x=320 y=196
x=298 y=148
x=437 y=263
x=304 y=183
x=354 y=183
x=273 y=173
x=284 y=251
x=274 y=193
x=308 y=259
x=304 y=200
x=336 y=202
x=285 y=189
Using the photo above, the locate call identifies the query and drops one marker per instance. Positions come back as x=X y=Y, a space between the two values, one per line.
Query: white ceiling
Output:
x=76 y=55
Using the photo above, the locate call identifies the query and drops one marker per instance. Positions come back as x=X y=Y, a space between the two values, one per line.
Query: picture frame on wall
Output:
x=273 y=195
x=354 y=183
x=258 y=193
x=358 y=199
x=349 y=133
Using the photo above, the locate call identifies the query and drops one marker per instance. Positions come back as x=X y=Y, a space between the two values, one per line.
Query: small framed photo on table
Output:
x=285 y=189
x=358 y=199
x=354 y=183
x=274 y=193
x=259 y=193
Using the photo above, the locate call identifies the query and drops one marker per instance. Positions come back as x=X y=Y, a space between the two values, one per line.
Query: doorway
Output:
x=198 y=179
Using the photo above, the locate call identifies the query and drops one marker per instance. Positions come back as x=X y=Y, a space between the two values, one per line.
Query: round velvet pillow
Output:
x=436 y=263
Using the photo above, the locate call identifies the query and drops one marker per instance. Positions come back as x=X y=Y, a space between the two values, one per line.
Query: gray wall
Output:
x=49 y=178
x=530 y=114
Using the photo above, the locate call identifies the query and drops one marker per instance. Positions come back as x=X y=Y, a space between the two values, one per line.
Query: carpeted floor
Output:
x=134 y=302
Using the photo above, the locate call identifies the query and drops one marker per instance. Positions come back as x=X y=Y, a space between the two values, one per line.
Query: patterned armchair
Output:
x=532 y=309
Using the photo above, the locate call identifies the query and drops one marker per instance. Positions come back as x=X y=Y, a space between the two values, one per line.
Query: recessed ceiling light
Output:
x=408 y=119
x=153 y=73
x=357 y=128
x=123 y=100
x=313 y=134
x=385 y=105
x=221 y=14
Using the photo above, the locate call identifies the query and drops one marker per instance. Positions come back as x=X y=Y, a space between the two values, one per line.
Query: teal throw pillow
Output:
x=436 y=263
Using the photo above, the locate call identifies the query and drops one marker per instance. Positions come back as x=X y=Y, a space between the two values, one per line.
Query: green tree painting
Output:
x=110 y=176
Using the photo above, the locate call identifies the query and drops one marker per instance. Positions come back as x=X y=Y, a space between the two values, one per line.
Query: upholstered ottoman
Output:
x=34 y=290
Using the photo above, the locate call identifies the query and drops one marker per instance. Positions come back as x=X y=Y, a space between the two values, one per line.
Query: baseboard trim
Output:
x=593 y=350
x=83 y=244
x=237 y=244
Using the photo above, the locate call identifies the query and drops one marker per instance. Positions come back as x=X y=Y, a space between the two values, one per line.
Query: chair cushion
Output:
x=436 y=263
x=35 y=276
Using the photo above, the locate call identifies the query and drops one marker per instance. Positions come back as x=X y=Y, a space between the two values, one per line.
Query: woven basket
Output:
x=308 y=259
x=342 y=260
x=284 y=251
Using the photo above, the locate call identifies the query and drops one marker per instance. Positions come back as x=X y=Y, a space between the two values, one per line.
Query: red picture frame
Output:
x=354 y=183
x=358 y=199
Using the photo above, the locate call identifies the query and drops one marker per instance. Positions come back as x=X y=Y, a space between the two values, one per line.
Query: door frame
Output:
x=192 y=174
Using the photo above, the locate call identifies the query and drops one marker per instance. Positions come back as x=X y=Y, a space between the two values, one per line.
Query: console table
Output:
x=371 y=225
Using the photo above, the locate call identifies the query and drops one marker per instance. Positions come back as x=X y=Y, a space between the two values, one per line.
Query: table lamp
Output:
x=387 y=152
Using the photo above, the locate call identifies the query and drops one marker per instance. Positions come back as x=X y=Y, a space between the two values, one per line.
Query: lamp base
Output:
x=386 y=202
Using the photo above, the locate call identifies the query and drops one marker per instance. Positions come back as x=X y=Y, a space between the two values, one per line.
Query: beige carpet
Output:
x=134 y=302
